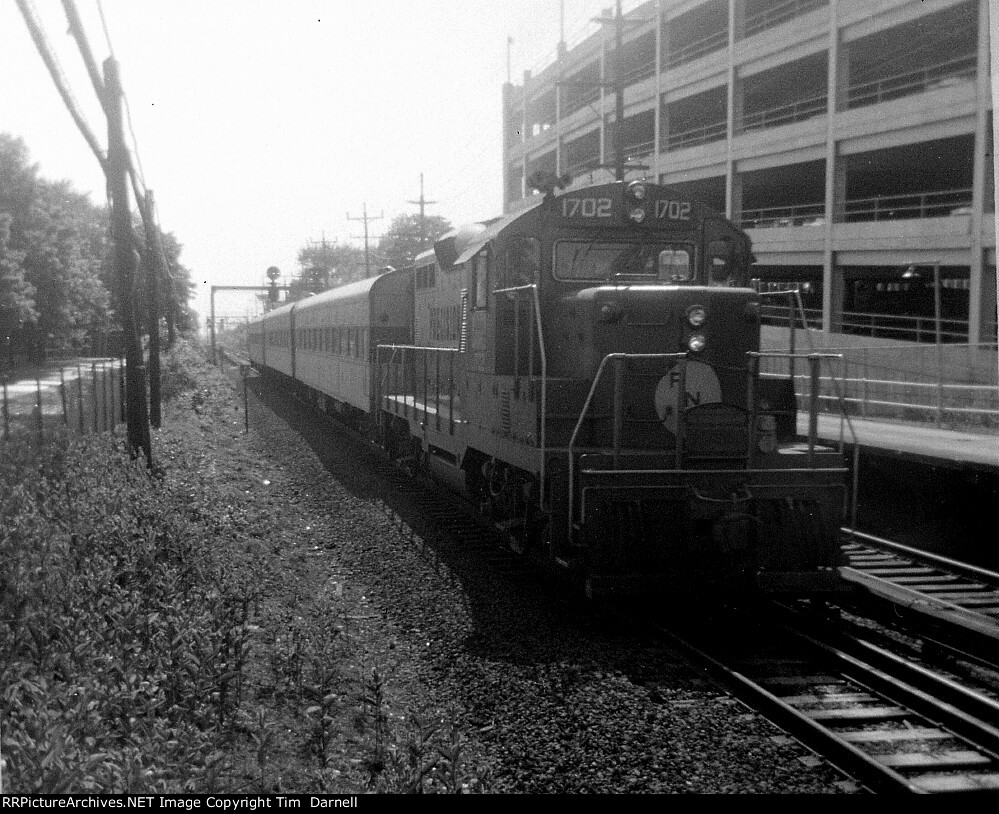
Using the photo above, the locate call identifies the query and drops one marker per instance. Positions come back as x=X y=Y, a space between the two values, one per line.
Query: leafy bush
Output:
x=182 y=368
x=133 y=651
x=118 y=638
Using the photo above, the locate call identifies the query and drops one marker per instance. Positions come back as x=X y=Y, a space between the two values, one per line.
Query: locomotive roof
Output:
x=348 y=291
x=465 y=241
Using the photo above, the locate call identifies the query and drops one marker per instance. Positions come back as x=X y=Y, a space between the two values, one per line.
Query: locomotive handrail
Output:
x=425 y=350
x=814 y=359
x=542 y=439
x=618 y=357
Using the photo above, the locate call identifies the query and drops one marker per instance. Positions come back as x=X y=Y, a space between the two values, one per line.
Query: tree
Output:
x=17 y=304
x=57 y=238
x=326 y=265
x=63 y=256
x=408 y=236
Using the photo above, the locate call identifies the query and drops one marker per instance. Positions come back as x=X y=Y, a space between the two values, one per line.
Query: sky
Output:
x=262 y=125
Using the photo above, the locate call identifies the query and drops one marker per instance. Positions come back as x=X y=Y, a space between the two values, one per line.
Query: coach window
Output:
x=523 y=262
x=480 y=280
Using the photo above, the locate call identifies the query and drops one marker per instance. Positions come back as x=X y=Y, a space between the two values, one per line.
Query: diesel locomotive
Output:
x=588 y=372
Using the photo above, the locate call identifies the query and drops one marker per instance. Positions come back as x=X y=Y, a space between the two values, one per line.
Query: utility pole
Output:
x=156 y=261
x=125 y=261
x=365 y=218
x=423 y=203
x=620 y=159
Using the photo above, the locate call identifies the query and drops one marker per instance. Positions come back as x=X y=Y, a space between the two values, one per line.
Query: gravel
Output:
x=512 y=688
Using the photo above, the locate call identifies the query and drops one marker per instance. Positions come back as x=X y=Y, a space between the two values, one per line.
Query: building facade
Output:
x=852 y=138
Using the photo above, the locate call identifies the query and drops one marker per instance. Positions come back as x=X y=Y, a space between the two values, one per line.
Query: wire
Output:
x=55 y=71
x=104 y=25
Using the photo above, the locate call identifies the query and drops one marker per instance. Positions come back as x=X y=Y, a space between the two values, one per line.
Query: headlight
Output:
x=637 y=214
x=696 y=342
x=637 y=190
x=696 y=316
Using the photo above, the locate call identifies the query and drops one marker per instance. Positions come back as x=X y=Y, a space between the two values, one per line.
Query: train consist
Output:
x=588 y=372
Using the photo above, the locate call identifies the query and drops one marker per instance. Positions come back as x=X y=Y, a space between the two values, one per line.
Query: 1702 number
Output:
x=587 y=207
x=673 y=210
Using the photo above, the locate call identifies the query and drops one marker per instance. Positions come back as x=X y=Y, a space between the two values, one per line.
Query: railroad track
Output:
x=954 y=604
x=890 y=724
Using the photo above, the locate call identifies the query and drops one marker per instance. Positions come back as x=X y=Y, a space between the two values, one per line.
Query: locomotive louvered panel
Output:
x=504 y=412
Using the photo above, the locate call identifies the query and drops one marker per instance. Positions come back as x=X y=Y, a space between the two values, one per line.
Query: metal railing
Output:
x=813 y=392
x=639 y=72
x=577 y=102
x=696 y=135
x=82 y=397
x=884 y=326
x=411 y=381
x=634 y=150
x=861 y=392
x=931 y=77
x=692 y=50
x=613 y=364
x=908 y=206
x=617 y=360
x=778 y=14
x=784 y=114
x=583 y=165
x=960 y=383
x=776 y=216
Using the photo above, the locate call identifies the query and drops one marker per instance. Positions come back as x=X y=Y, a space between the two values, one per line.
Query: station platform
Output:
x=925 y=445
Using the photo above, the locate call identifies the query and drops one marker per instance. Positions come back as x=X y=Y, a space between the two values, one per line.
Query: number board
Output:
x=595 y=209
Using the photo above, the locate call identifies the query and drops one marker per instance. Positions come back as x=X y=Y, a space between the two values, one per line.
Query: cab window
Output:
x=722 y=269
x=523 y=262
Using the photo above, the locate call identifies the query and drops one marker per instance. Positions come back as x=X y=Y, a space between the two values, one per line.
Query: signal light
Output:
x=696 y=342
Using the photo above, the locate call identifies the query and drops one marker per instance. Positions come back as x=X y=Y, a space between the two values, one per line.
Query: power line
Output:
x=55 y=71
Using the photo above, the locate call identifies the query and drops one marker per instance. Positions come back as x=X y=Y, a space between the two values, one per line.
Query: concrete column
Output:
x=733 y=201
x=736 y=19
x=507 y=94
x=559 y=76
x=734 y=106
x=833 y=294
x=663 y=118
x=832 y=298
x=987 y=303
x=976 y=332
x=658 y=162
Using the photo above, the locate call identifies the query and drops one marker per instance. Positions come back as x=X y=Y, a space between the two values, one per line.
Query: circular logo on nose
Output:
x=702 y=387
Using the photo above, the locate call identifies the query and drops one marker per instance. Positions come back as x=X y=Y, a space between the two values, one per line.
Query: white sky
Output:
x=260 y=124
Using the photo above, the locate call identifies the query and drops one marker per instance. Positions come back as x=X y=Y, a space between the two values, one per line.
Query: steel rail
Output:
x=942 y=707
x=954 y=566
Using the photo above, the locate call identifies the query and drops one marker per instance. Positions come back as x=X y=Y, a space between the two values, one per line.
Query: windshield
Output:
x=593 y=260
